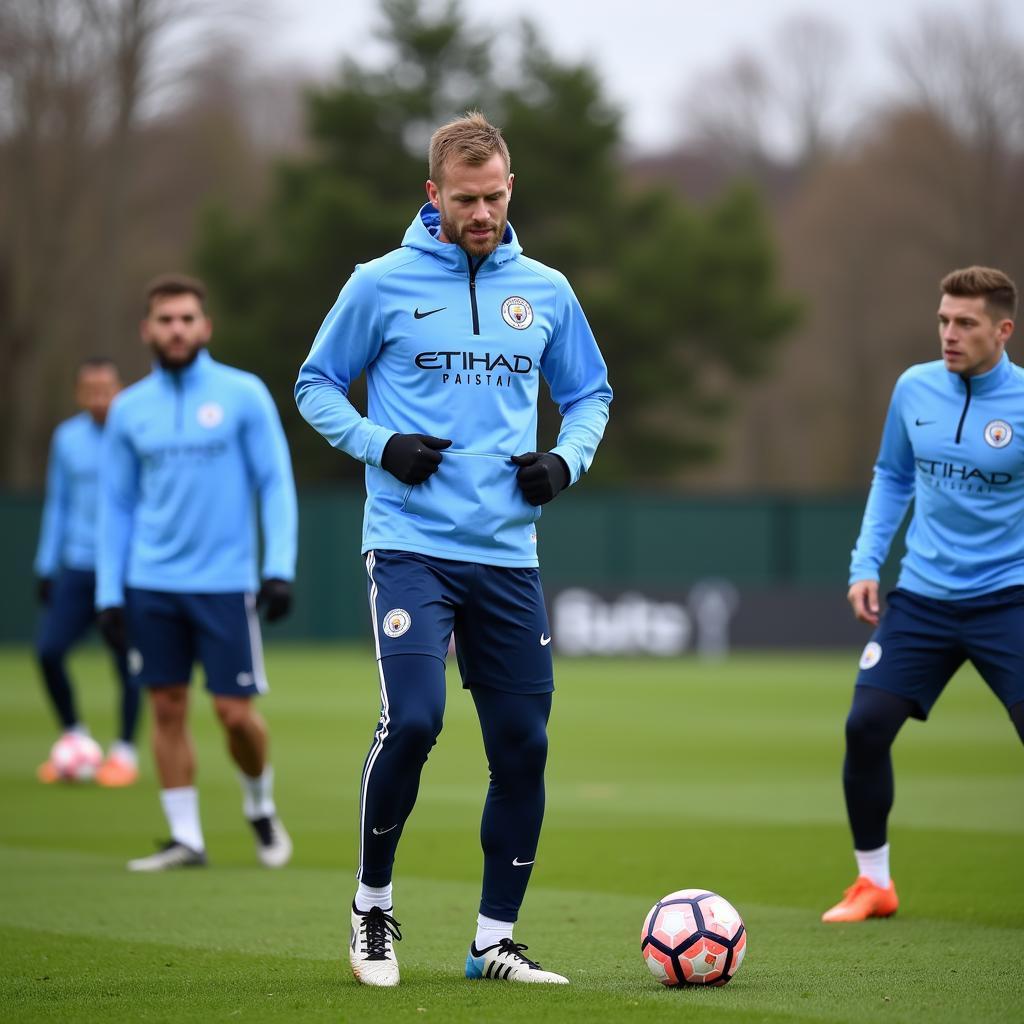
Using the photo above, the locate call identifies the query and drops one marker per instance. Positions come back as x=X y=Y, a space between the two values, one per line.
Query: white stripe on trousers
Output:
x=381 y=733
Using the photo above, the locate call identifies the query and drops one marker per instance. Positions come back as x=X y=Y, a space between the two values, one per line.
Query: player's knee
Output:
x=521 y=754
x=868 y=729
x=50 y=654
x=169 y=708
x=417 y=732
x=234 y=714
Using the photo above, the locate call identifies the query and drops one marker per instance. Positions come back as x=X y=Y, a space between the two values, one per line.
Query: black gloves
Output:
x=412 y=457
x=275 y=597
x=112 y=626
x=542 y=476
x=44 y=589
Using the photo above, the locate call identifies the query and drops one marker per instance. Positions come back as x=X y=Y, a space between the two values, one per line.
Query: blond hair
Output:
x=995 y=287
x=470 y=139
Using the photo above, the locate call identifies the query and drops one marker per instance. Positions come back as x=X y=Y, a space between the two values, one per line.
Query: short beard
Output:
x=451 y=231
x=176 y=364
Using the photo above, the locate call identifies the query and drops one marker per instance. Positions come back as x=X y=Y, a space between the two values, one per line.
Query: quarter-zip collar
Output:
x=426 y=226
x=984 y=383
x=186 y=376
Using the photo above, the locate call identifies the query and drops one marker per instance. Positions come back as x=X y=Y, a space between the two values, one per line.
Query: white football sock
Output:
x=181 y=808
x=874 y=864
x=490 y=932
x=258 y=794
x=124 y=752
x=369 y=896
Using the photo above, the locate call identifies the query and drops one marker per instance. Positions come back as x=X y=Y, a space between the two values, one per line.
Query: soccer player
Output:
x=188 y=452
x=952 y=445
x=65 y=568
x=455 y=330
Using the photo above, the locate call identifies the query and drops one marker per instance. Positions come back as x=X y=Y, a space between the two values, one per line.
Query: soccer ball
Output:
x=693 y=937
x=76 y=757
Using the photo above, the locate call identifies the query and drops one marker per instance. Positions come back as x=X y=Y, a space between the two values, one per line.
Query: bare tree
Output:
x=74 y=76
x=777 y=106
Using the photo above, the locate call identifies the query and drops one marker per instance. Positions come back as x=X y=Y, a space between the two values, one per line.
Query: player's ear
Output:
x=511 y=182
x=433 y=194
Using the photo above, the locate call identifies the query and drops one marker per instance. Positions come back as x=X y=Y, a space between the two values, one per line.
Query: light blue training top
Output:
x=455 y=348
x=955 y=446
x=67 y=538
x=187 y=456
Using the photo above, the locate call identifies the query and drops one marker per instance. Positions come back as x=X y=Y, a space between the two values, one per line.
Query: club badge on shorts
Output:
x=871 y=655
x=517 y=312
x=998 y=433
x=396 y=622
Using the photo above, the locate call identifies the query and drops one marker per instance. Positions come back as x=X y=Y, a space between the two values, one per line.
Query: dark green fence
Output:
x=588 y=538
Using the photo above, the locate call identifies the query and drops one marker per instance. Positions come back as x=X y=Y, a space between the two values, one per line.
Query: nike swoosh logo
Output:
x=517 y=863
x=429 y=312
x=544 y=640
x=381 y=831
x=922 y=423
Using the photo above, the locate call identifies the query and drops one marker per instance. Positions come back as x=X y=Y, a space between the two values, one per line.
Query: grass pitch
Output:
x=662 y=775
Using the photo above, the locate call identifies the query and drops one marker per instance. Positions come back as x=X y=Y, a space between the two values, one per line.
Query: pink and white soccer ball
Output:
x=693 y=937
x=76 y=757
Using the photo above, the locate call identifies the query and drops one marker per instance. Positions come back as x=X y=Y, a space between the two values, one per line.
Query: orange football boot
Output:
x=116 y=771
x=862 y=900
x=47 y=772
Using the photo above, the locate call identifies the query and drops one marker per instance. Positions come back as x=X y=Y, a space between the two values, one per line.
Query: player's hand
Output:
x=44 y=589
x=413 y=457
x=863 y=598
x=112 y=626
x=541 y=476
x=275 y=598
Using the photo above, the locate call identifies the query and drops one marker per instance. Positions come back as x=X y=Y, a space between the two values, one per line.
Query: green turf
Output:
x=662 y=775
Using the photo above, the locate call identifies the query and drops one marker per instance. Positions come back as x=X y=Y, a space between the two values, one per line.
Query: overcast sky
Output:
x=649 y=52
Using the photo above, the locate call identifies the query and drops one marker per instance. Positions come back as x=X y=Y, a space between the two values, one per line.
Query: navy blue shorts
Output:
x=920 y=642
x=169 y=632
x=502 y=638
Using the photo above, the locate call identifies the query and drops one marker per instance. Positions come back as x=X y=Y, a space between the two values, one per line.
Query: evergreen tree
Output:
x=683 y=303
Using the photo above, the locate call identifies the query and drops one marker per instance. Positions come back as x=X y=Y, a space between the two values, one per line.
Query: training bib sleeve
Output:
x=119 y=489
x=266 y=452
x=577 y=377
x=892 y=488
x=347 y=342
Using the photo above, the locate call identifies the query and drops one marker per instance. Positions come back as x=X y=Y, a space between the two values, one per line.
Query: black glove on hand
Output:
x=112 y=626
x=413 y=457
x=44 y=589
x=542 y=476
x=275 y=597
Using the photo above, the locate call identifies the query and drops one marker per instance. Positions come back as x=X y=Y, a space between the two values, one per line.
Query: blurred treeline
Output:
x=756 y=287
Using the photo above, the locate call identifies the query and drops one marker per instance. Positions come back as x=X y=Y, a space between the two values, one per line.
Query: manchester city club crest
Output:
x=517 y=312
x=871 y=656
x=209 y=415
x=998 y=433
x=396 y=622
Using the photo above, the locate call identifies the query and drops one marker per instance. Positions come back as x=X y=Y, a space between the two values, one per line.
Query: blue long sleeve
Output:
x=347 y=342
x=118 y=495
x=578 y=380
x=55 y=511
x=266 y=451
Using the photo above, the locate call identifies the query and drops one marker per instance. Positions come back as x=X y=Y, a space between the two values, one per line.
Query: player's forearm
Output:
x=583 y=426
x=325 y=407
x=279 y=518
x=887 y=504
